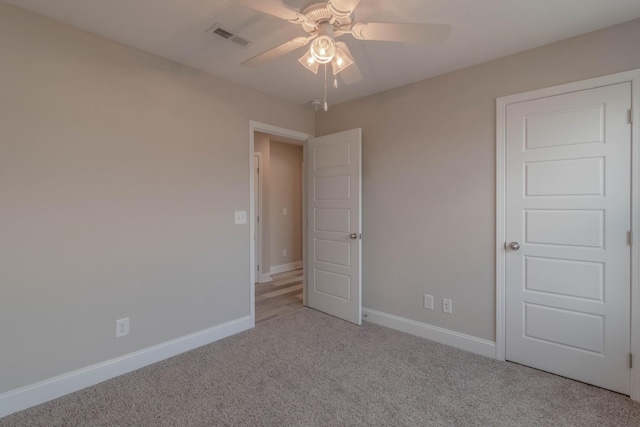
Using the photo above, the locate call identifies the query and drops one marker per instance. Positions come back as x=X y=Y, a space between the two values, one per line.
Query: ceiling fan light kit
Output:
x=342 y=59
x=323 y=49
x=309 y=62
x=324 y=22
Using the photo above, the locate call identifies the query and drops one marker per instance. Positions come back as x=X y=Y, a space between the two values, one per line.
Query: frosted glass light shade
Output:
x=309 y=62
x=322 y=49
x=341 y=60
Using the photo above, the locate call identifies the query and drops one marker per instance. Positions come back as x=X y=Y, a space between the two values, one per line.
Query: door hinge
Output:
x=630 y=115
x=630 y=237
x=630 y=360
x=258 y=219
x=258 y=267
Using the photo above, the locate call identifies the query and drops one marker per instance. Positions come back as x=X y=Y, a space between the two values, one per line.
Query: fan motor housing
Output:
x=317 y=12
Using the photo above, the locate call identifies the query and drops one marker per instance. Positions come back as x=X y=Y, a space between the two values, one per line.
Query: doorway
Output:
x=279 y=275
x=566 y=209
x=280 y=285
x=332 y=195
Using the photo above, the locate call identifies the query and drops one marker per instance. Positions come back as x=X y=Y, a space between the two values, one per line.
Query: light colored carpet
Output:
x=309 y=369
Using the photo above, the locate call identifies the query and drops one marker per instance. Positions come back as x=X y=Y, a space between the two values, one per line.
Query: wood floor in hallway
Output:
x=281 y=296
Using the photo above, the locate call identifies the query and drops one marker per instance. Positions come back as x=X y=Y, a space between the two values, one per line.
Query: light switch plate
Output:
x=284 y=211
x=241 y=217
x=428 y=301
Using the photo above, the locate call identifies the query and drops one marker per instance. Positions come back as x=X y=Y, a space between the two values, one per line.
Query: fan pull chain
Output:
x=326 y=106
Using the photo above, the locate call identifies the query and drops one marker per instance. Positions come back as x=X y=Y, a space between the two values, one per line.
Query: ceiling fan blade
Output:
x=275 y=8
x=342 y=7
x=277 y=51
x=352 y=73
x=416 y=33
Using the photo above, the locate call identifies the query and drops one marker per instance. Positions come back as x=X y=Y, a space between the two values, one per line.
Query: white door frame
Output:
x=258 y=210
x=291 y=134
x=629 y=76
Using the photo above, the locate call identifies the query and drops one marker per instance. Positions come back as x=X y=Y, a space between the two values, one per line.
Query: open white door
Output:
x=334 y=206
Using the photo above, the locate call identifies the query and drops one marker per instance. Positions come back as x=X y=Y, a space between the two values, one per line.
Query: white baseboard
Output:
x=43 y=391
x=265 y=278
x=285 y=267
x=433 y=333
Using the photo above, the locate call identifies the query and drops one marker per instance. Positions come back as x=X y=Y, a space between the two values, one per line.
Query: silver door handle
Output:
x=353 y=235
x=514 y=245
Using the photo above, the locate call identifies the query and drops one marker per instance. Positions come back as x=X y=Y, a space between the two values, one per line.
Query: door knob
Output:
x=514 y=245
x=353 y=235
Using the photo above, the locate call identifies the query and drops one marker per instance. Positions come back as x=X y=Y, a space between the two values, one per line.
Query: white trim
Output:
x=304 y=221
x=633 y=77
x=258 y=234
x=265 y=278
x=277 y=131
x=634 y=389
x=444 y=336
x=500 y=230
x=43 y=391
x=285 y=267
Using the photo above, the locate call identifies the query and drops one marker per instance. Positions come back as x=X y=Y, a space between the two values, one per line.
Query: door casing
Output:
x=501 y=106
x=289 y=134
x=257 y=210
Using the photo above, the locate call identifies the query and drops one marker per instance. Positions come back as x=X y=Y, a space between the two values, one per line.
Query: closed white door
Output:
x=334 y=218
x=568 y=209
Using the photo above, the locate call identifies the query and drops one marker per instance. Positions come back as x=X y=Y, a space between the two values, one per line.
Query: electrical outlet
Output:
x=122 y=327
x=428 y=301
x=241 y=217
x=447 y=306
x=284 y=211
x=284 y=252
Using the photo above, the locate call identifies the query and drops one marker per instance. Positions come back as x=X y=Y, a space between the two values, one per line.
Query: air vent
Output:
x=222 y=33
x=218 y=30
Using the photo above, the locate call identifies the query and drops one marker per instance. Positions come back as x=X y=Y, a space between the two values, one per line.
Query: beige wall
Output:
x=429 y=175
x=285 y=191
x=119 y=176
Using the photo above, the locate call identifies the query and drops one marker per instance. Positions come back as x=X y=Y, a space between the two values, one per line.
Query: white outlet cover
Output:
x=447 y=306
x=241 y=217
x=122 y=327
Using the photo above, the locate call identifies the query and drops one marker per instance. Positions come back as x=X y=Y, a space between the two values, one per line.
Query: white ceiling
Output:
x=482 y=30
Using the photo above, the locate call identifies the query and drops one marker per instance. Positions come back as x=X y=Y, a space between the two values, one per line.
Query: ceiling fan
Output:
x=324 y=21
